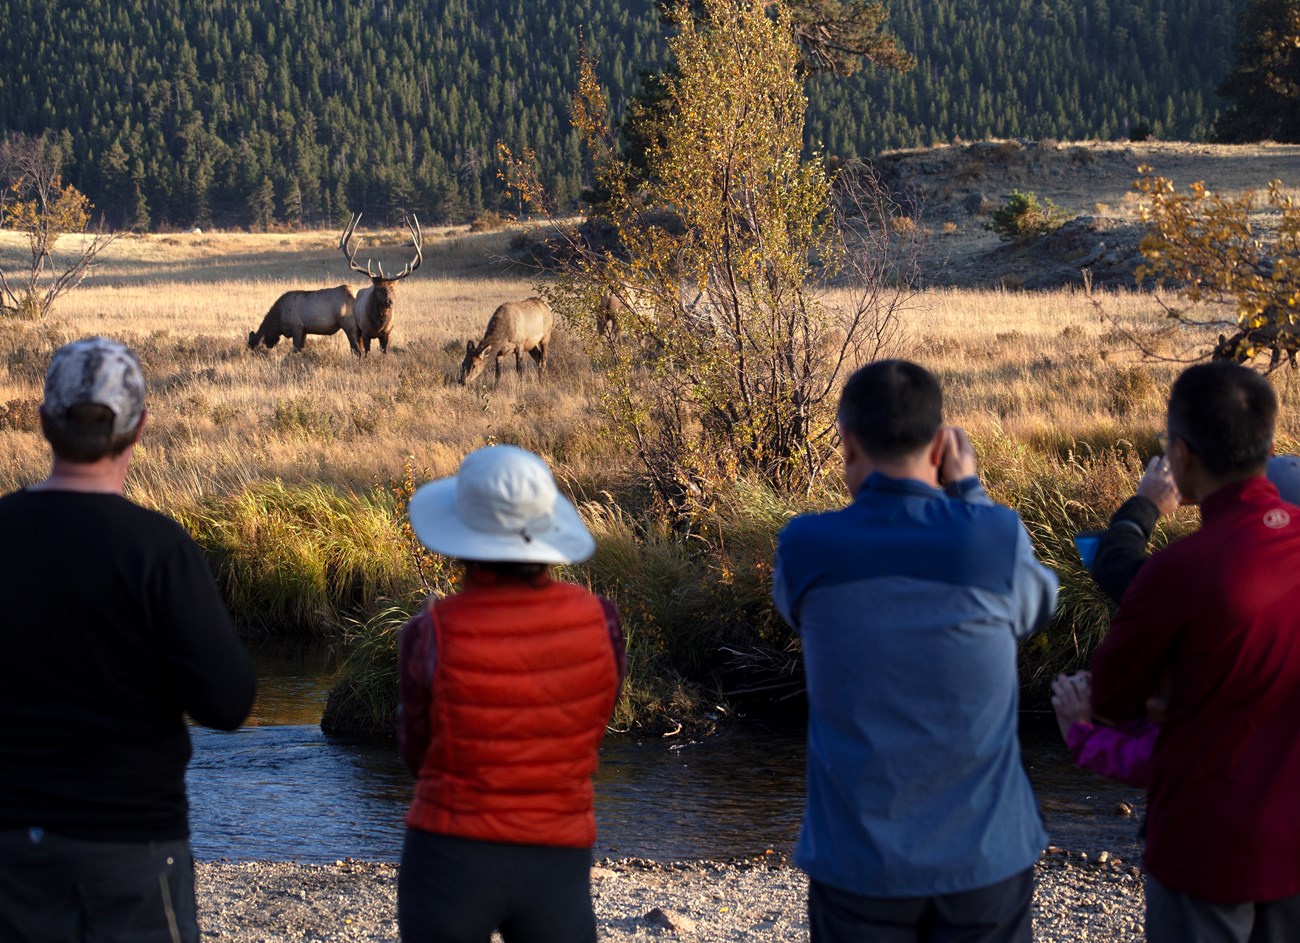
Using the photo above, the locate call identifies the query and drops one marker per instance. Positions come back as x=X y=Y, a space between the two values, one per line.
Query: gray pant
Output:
x=55 y=889
x=1175 y=917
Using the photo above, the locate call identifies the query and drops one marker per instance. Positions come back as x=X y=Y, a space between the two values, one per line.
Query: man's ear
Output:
x=938 y=445
x=849 y=447
x=139 y=426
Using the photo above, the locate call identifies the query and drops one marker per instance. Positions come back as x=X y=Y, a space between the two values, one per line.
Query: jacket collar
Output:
x=1247 y=491
x=877 y=481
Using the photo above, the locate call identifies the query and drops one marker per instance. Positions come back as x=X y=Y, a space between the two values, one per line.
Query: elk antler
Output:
x=348 y=232
x=417 y=239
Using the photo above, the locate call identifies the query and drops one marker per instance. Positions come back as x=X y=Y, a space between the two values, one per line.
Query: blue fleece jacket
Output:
x=909 y=603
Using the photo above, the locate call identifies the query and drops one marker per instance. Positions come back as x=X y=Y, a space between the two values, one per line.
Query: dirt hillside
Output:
x=958 y=186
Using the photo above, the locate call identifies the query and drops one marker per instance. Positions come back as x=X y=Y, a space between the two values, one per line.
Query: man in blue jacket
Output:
x=921 y=823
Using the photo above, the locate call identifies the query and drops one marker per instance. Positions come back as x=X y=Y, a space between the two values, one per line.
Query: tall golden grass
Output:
x=283 y=464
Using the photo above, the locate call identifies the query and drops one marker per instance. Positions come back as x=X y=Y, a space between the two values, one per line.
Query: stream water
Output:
x=279 y=790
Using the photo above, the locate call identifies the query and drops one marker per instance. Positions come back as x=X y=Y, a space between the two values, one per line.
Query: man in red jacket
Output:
x=1218 y=614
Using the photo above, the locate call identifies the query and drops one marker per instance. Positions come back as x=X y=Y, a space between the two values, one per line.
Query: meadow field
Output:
x=292 y=469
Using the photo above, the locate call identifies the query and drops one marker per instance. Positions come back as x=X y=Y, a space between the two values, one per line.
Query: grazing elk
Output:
x=1247 y=342
x=363 y=317
x=521 y=326
x=296 y=314
x=609 y=312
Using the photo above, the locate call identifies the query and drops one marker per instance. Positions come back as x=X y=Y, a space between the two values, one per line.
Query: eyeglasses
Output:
x=1163 y=439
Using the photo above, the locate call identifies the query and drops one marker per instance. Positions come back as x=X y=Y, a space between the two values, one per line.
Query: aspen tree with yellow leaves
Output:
x=1232 y=264
x=731 y=355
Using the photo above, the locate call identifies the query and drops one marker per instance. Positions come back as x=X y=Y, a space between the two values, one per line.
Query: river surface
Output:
x=280 y=790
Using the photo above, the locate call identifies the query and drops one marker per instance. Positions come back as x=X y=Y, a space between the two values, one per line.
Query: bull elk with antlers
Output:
x=363 y=317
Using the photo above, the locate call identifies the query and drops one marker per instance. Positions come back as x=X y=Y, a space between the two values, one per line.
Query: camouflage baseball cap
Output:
x=96 y=370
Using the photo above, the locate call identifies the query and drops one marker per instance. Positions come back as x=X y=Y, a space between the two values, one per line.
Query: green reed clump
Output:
x=305 y=555
x=1058 y=497
x=363 y=700
x=697 y=604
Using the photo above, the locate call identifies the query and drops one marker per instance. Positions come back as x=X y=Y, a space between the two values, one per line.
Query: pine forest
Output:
x=174 y=113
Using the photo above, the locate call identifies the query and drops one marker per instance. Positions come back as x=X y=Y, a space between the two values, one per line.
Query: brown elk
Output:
x=374 y=305
x=363 y=317
x=1247 y=342
x=521 y=326
x=611 y=309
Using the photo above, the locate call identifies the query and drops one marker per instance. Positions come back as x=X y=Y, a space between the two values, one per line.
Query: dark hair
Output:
x=508 y=569
x=1225 y=413
x=892 y=408
x=85 y=433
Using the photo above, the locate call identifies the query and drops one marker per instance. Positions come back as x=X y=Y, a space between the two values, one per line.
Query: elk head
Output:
x=472 y=365
x=381 y=282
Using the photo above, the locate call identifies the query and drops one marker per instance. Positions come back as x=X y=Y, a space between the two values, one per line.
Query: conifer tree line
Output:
x=174 y=113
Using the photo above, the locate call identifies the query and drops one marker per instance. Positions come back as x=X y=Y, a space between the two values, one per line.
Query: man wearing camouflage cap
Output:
x=113 y=632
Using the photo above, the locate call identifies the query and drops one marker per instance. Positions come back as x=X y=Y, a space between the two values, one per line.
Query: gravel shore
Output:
x=1076 y=899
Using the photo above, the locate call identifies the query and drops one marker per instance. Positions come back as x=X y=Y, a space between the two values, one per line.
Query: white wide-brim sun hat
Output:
x=503 y=506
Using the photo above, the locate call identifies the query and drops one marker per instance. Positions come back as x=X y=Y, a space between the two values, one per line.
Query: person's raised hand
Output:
x=1072 y=700
x=1158 y=487
x=958 y=460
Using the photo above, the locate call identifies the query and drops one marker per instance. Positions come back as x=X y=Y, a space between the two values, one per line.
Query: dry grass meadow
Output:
x=257 y=451
x=1047 y=369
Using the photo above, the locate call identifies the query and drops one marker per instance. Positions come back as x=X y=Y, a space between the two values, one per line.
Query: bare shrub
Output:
x=45 y=210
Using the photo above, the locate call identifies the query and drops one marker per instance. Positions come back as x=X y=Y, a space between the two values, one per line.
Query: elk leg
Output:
x=519 y=361
x=299 y=338
x=383 y=342
x=539 y=354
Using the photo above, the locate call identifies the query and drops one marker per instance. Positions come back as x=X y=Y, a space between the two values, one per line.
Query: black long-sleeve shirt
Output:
x=1123 y=547
x=111 y=631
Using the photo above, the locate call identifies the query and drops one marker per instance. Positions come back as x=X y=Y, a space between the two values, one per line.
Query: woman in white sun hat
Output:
x=506 y=688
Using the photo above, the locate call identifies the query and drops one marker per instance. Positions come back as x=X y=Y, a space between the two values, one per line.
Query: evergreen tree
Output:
x=1264 y=86
x=263 y=207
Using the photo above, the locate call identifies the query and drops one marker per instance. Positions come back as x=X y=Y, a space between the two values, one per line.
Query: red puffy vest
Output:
x=523 y=686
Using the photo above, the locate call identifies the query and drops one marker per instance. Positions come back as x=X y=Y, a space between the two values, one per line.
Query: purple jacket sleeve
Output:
x=1122 y=753
x=614 y=625
x=416 y=648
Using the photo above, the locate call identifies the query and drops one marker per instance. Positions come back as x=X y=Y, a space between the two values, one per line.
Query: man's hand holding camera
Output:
x=958 y=458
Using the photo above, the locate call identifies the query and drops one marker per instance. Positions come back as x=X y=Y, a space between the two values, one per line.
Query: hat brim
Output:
x=432 y=512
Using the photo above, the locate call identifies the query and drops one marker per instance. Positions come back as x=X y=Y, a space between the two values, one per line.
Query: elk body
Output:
x=296 y=314
x=519 y=326
x=363 y=317
x=609 y=312
x=1243 y=345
